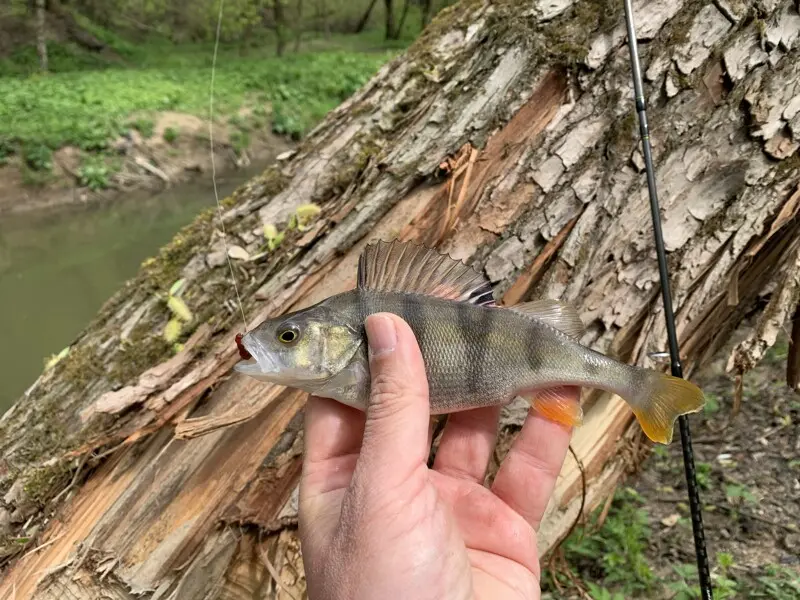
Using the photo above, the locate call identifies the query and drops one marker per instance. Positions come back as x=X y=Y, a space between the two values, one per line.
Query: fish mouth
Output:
x=261 y=362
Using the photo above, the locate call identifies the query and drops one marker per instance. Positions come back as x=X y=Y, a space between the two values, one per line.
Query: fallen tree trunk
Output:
x=505 y=136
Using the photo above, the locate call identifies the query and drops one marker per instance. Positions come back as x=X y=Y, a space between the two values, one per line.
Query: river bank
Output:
x=137 y=163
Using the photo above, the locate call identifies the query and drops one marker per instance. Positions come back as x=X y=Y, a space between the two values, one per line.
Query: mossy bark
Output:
x=505 y=136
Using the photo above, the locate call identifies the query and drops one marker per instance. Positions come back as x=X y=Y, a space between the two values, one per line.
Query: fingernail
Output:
x=381 y=334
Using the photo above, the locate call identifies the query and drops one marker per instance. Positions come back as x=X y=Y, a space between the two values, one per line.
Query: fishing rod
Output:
x=693 y=489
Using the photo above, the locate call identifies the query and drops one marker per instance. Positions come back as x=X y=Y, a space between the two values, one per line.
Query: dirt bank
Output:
x=174 y=148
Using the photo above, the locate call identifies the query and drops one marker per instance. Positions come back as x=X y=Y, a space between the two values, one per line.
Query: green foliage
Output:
x=703 y=475
x=736 y=493
x=170 y=135
x=712 y=404
x=6 y=150
x=94 y=173
x=600 y=593
x=38 y=157
x=144 y=126
x=725 y=586
x=273 y=236
x=777 y=583
x=614 y=554
x=88 y=109
x=181 y=315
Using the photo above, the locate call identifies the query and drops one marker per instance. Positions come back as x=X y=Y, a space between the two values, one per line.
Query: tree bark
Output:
x=298 y=28
x=365 y=17
x=280 y=26
x=507 y=140
x=322 y=8
x=41 y=34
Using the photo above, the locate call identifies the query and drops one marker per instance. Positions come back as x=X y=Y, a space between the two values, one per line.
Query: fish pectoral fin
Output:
x=414 y=269
x=555 y=406
x=557 y=315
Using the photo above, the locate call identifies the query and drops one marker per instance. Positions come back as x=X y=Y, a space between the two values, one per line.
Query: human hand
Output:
x=377 y=523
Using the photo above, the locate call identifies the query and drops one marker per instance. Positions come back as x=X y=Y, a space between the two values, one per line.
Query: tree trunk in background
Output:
x=506 y=139
x=298 y=27
x=280 y=26
x=390 y=30
x=365 y=17
x=427 y=8
x=399 y=31
x=326 y=20
x=41 y=33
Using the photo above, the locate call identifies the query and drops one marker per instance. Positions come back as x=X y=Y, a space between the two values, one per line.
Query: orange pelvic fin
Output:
x=554 y=405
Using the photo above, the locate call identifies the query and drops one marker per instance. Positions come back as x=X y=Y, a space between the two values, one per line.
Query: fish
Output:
x=476 y=352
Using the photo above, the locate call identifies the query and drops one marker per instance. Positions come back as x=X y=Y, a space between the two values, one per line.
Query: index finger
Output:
x=527 y=477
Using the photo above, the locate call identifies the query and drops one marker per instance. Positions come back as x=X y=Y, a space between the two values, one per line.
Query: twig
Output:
x=273 y=571
x=41 y=546
x=74 y=481
x=579 y=516
x=606 y=507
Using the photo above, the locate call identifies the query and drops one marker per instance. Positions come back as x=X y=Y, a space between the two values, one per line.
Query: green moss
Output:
x=622 y=137
x=567 y=37
x=344 y=177
x=144 y=348
x=80 y=366
x=44 y=483
x=273 y=180
x=160 y=272
x=789 y=165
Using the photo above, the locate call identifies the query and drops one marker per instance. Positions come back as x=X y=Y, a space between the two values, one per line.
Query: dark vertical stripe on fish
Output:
x=533 y=338
x=465 y=326
x=414 y=315
x=487 y=325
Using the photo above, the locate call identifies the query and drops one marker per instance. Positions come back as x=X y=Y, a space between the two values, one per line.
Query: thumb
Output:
x=397 y=415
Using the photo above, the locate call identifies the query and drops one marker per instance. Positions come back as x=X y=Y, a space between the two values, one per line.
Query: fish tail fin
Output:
x=659 y=399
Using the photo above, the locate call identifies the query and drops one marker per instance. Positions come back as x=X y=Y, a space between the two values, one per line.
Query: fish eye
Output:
x=289 y=335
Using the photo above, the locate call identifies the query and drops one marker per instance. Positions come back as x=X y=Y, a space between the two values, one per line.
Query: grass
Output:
x=86 y=101
x=88 y=109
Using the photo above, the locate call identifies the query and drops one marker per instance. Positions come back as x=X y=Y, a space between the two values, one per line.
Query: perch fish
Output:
x=476 y=353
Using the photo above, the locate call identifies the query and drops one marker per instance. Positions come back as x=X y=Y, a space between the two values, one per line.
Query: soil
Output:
x=149 y=163
x=749 y=471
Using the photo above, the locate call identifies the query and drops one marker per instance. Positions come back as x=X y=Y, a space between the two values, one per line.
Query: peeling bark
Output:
x=169 y=476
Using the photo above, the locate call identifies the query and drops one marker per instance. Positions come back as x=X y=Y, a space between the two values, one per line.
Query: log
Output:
x=137 y=467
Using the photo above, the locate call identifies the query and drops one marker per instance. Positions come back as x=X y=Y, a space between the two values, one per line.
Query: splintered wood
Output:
x=184 y=474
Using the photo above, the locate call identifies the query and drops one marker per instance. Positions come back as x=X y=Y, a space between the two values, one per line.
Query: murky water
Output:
x=57 y=270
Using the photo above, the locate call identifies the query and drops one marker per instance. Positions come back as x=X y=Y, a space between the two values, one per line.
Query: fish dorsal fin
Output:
x=556 y=314
x=414 y=269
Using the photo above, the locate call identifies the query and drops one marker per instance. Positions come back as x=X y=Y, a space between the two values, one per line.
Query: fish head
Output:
x=303 y=349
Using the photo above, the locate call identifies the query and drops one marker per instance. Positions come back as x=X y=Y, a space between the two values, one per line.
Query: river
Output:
x=57 y=269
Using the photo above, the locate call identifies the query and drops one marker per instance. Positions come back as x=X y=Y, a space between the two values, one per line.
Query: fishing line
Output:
x=213 y=163
x=693 y=489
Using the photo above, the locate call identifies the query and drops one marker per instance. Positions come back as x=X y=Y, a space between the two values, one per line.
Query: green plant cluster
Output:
x=89 y=109
x=611 y=563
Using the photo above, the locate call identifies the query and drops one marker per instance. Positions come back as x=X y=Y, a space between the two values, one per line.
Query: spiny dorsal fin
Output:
x=407 y=267
x=556 y=314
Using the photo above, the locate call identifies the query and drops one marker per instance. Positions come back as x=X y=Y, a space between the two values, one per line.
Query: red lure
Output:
x=242 y=350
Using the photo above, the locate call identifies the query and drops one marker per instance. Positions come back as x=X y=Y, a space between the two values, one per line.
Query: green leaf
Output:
x=172 y=331
x=56 y=358
x=173 y=291
x=179 y=309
